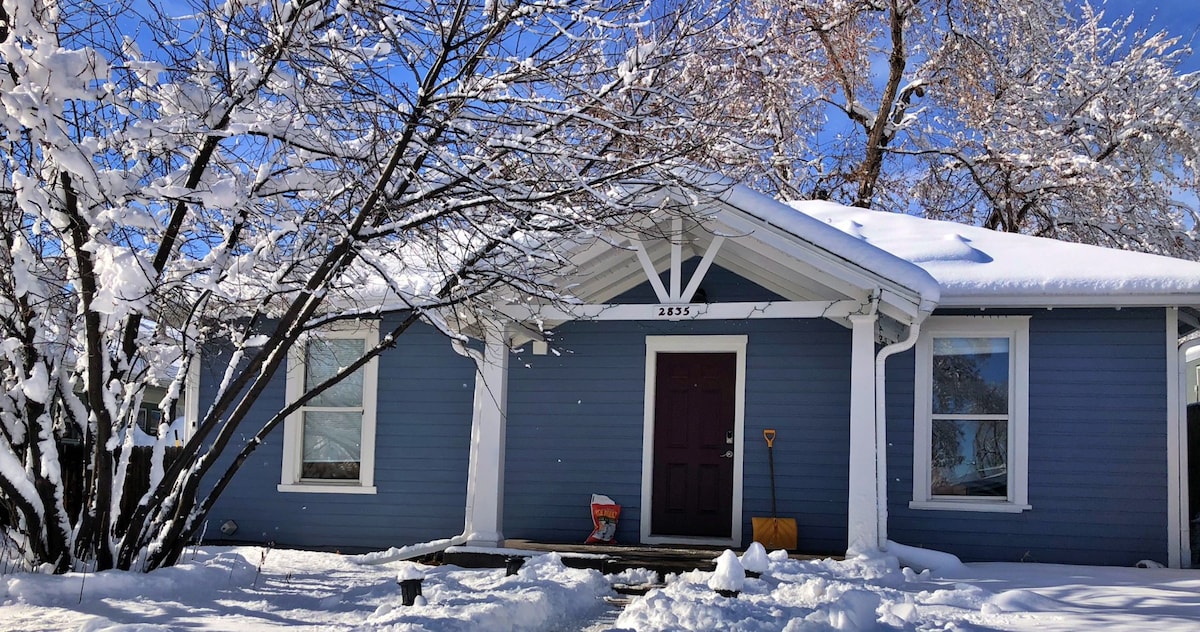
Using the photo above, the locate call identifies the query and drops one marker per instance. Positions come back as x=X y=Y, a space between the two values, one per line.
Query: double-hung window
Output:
x=971 y=439
x=329 y=442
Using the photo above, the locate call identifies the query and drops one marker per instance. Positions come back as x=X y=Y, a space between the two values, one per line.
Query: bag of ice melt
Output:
x=605 y=513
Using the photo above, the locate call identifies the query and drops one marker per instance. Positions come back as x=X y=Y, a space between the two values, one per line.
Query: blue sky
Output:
x=1179 y=17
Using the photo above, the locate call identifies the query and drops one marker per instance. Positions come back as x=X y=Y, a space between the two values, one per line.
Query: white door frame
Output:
x=694 y=344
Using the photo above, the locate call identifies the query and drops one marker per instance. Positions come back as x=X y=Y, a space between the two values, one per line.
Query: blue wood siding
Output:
x=422 y=440
x=1097 y=448
x=1097 y=428
x=576 y=418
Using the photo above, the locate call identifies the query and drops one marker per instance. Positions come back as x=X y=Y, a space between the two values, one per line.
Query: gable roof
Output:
x=762 y=240
x=977 y=267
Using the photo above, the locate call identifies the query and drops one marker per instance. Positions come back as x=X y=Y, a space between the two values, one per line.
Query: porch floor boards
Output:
x=607 y=559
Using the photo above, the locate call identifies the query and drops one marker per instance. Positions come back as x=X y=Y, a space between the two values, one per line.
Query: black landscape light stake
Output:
x=729 y=575
x=410 y=589
x=410 y=585
x=512 y=564
x=755 y=560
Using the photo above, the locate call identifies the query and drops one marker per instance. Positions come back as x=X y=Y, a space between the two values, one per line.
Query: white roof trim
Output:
x=1067 y=301
x=798 y=257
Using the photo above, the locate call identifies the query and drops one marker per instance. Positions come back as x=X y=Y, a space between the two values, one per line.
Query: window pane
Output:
x=323 y=359
x=332 y=445
x=148 y=419
x=970 y=458
x=970 y=376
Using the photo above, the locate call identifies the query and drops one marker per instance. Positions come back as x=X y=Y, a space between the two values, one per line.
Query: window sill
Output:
x=969 y=505
x=327 y=488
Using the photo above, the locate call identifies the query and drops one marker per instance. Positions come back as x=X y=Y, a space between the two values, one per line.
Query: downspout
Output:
x=914 y=330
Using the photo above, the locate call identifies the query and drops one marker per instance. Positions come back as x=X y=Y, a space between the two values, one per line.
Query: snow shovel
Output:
x=774 y=533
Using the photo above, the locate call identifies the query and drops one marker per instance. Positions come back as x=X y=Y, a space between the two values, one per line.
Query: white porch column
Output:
x=485 y=474
x=863 y=522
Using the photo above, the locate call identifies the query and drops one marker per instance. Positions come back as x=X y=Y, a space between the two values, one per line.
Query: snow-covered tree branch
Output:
x=1026 y=117
x=251 y=170
x=1092 y=138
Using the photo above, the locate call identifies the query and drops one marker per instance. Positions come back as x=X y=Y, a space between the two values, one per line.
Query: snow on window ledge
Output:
x=327 y=488
x=969 y=505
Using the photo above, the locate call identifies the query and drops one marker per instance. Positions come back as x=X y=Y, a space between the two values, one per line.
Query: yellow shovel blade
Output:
x=775 y=533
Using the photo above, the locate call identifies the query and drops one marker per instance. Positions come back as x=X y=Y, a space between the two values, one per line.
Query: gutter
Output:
x=1065 y=301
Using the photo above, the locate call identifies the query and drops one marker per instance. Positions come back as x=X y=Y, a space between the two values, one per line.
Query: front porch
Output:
x=649 y=299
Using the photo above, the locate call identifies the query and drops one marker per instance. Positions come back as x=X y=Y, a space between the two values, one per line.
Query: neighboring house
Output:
x=996 y=396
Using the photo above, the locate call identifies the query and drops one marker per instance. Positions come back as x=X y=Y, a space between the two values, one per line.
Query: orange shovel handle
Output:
x=769 y=435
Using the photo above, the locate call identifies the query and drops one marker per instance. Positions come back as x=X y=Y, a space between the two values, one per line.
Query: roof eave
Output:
x=906 y=300
x=950 y=300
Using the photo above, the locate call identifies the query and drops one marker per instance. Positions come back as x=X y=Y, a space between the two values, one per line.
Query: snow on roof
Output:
x=979 y=267
x=837 y=243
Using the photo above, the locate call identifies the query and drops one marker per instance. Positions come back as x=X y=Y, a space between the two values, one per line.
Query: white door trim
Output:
x=694 y=344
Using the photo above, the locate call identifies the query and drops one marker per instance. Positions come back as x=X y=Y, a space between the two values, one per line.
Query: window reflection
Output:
x=970 y=376
x=970 y=458
x=969 y=454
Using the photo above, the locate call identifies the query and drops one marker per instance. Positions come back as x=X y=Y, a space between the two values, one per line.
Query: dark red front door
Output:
x=693 y=444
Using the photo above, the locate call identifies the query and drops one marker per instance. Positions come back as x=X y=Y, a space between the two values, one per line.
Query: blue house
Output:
x=1000 y=397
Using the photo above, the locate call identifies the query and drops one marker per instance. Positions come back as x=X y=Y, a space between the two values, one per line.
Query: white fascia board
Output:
x=1082 y=300
x=906 y=313
x=901 y=307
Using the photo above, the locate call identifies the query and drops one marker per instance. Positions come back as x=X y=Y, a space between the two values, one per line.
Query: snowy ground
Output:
x=248 y=588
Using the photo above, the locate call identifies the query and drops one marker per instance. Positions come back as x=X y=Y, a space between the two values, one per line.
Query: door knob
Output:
x=727 y=455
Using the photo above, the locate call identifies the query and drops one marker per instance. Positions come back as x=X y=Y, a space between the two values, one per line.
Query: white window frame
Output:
x=1016 y=329
x=293 y=440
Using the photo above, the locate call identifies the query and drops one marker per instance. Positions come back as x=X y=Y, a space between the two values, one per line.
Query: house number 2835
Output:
x=686 y=310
